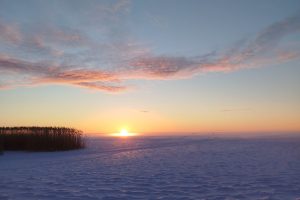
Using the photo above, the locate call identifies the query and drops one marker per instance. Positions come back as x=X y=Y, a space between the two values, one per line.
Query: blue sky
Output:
x=194 y=66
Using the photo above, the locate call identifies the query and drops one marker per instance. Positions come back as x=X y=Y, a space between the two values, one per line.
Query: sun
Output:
x=124 y=133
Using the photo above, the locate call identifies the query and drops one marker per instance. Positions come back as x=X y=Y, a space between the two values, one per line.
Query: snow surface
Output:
x=157 y=168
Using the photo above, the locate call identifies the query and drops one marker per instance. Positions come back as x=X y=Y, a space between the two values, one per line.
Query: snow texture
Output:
x=157 y=168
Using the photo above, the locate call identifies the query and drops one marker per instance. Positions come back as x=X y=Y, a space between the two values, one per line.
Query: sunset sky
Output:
x=151 y=67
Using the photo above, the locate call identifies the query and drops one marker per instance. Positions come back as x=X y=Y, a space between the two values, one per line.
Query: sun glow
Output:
x=124 y=133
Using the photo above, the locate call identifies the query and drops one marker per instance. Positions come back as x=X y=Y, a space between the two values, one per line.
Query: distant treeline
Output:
x=40 y=138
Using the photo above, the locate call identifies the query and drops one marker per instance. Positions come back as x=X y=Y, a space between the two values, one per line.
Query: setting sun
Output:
x=124 y=133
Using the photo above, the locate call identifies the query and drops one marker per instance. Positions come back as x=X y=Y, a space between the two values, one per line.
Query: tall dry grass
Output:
x=40 y=138
x=1 y=145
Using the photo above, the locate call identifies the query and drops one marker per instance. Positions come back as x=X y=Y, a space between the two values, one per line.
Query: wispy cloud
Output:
x=237 y=110
x=144 y=111
x=9 y=32
x=63 y=55
x=247 y=54
x=45 y=73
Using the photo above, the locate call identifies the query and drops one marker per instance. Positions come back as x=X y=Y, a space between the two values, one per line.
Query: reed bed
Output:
x=1 y=145
x=40 y=139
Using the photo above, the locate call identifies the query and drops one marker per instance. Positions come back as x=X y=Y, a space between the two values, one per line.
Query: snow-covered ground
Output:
x=157 y=168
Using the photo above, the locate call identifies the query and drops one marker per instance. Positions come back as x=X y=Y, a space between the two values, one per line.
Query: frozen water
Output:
x=157 y=168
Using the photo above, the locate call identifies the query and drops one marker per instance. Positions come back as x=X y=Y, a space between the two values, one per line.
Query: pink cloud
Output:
x=103 y=87
x=10 y=32
x=128 y=61
x=45 y=73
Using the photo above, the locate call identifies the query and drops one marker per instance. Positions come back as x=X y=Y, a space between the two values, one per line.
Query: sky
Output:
x=152 y=67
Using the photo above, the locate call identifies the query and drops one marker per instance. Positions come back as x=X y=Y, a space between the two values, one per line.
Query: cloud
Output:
x=157 y=21
x=45 y=42
x=144 y=111
x=160 y=67
x=237 y=110
x=44 y=73
x=63 y=55
x=103 y=87
x=9 y=32
x=252 y=53
x=13 y=65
